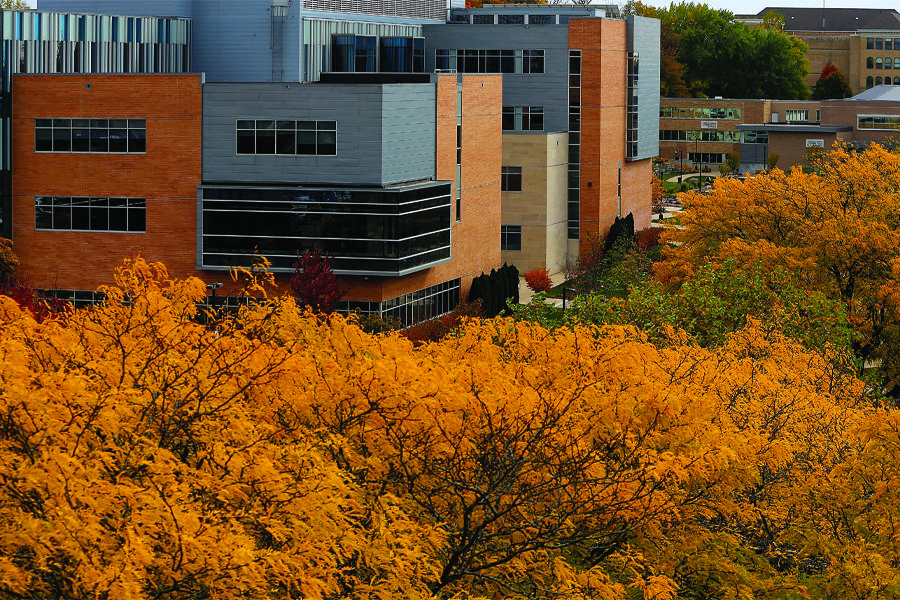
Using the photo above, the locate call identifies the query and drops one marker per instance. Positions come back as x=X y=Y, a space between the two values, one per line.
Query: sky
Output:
x=744 y=7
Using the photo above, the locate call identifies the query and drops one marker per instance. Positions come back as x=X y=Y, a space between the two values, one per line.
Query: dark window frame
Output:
x=90 y=136
x=510 y=238
x=510 y=179
x=285 y=137
x=90 y=214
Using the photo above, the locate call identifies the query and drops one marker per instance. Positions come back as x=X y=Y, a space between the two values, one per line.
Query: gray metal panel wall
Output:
x=754 y=153
x=643 y=38
x=232 y=41
x=409 y=137
x=133 y=8
x=549 y=89
x=360 y=116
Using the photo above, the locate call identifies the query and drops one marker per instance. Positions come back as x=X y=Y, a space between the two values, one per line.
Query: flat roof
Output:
x=790 y=128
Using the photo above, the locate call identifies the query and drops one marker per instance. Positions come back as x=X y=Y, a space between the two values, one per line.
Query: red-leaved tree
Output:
x=538 y=280
x=314 y=284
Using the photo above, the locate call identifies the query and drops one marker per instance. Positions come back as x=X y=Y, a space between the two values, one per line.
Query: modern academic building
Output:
x=272 y=125
x=580 y=114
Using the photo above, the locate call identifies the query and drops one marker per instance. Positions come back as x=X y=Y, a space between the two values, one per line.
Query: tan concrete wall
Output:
x=540 y=208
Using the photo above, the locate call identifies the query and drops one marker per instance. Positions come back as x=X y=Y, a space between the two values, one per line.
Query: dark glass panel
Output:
x=246 y=142
x=43 y=140
x=137 y=140
x=326 y=143
x=62 y=215
x=81 y=136
x=306 y=142
x=137 y=219
x=43 y=212
x=118 y=218
x=265 y=138
x=285 y=142
x=99 y=139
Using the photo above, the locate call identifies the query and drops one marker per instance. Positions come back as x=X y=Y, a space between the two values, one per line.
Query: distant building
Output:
x=699 y=133
x=863 y=43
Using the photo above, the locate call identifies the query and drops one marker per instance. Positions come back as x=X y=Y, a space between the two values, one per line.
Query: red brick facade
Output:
x=167 y=175
x=604 y=61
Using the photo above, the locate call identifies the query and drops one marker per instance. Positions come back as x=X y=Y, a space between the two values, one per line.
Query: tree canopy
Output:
x=835 y=229
x=145 y=454
x=707 y=53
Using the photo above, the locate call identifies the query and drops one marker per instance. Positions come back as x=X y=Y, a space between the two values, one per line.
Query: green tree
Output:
x=17 y=4
x=723 y=57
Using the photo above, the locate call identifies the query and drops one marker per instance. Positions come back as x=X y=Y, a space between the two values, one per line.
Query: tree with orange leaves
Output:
x=285 y=455
x=837 y=230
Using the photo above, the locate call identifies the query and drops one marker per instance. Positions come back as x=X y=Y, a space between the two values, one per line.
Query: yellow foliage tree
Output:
x=277 y=454
x=837 y=229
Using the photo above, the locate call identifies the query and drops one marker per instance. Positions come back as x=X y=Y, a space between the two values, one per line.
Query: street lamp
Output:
x=213 y=287
x=679 y=155
x=699 y=160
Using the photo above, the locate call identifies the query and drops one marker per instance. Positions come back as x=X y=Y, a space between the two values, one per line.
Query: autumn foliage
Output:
x=314 y=284
x=538 y=280
x=286 y=455
x=836 y=230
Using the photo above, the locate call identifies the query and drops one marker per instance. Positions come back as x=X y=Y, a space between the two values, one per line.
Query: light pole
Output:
x=699 y=160
x=213 y=287
x=679 y=155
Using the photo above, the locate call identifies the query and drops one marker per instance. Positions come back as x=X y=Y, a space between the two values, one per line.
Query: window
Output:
x=682 y=135
x=511 y=179
x=61 y=213
x=293 y=138
x=122 y=136
x=511 y=238
x=353 y=54
x=675 y=112
x=870 y=81
x=512 y=19
x=482 y=19
x=364 y=230
x=887 y=62
x=756 y=137
x=897 y=62
x=706 y=158
x=401 y=55
x=532 y=61
x=878 y=80
x=878 y=64
x=796 y=115
x=523 y=118
x=884 y=122
x=879 y=43
x=541 y=19
x=870 y=43
x=473 y=60
x=870 y=62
